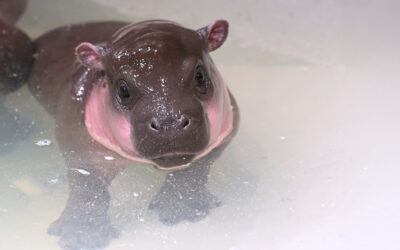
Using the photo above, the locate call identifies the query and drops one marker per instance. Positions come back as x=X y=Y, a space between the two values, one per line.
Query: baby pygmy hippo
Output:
x=147 y=92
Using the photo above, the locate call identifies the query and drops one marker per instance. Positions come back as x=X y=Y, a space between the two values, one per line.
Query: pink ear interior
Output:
x=217 y=33
x=89 y=55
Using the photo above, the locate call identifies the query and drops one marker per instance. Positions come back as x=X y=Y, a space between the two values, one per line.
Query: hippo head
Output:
x=161 y=100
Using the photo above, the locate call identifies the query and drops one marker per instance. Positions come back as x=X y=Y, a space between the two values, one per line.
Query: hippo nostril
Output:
x=154 y=125
x=183 y=123
x=186 y=123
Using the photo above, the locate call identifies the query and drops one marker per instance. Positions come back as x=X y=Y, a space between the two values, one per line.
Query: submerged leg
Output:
x=184 y=196
x=84 y=222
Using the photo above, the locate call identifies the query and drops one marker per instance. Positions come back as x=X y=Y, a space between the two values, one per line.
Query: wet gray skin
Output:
x=168 y=121
x=16 y=57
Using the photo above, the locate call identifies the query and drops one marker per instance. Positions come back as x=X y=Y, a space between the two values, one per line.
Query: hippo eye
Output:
x=124 y=94
x=199 y=77
x=201 y=83
x=123 y=91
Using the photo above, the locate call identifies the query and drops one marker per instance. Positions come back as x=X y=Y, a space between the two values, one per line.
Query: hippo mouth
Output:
x=173 y=161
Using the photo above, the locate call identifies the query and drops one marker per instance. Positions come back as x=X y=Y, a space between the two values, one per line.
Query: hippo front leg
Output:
x=84 y=223
x=184 y=196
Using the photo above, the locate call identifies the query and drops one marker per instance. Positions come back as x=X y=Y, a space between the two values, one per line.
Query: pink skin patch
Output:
x=219 y=112
x=108 y=127
x=113 y=130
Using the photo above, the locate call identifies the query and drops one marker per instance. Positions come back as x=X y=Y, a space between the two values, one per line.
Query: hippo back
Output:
x=11 y=10
x=50 y=77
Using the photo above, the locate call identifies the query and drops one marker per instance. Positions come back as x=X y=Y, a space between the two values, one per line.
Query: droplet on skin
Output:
x=80 y=91
x=109 y=158
x=81 y=171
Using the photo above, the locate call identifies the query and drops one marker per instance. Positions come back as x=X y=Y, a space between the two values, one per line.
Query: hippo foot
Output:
x=174 y=207
x=83 y=234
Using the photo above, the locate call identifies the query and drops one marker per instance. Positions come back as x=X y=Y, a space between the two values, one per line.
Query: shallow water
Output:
x=315 y=162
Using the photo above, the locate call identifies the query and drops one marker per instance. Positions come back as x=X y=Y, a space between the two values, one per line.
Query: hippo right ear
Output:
x=214 y=34
x=89 y=56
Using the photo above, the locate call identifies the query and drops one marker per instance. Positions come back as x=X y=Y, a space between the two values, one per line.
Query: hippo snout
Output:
x=165 y=127
x=171 y=140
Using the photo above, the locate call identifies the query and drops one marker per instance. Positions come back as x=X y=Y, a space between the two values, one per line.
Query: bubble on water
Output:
x=44 y=142
x=53 y=181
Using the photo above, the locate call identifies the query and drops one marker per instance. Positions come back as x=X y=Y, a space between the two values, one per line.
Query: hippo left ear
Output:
x=214 y=34
x=89 y=56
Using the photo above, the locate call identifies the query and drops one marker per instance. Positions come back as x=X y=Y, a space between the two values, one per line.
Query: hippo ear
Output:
x=215 y=34
x=89 y=56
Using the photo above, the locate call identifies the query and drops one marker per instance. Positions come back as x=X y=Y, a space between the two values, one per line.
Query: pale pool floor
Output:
x=314 y=166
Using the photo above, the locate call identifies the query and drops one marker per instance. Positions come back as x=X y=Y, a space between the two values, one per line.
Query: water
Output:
x=314 y=165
